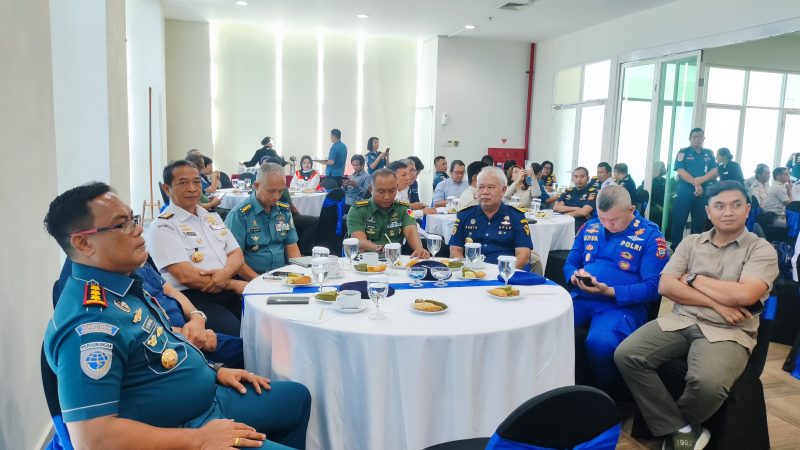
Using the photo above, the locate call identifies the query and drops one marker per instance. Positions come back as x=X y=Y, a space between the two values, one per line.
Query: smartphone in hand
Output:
x=586 y=280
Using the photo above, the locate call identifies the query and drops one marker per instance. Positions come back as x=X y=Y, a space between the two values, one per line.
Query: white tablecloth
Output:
x=412 y=380
x=556 y=233
x=309 y=204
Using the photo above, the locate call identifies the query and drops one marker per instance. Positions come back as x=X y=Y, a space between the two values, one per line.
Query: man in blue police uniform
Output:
x=125 y=379
x=578 y=201
x=697 y=169
x=263 y=226
x=501 y=229
x=622 y=253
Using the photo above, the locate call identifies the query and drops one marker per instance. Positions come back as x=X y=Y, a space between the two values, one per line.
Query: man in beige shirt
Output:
x=717 y=280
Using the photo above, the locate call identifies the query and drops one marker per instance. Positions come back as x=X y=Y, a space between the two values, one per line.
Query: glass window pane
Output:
x=595 y=80
x=758 y=145
x=792 y=91
x=764 y=89
x=791 y=137
x=562 y=142
x=568 y=83
x=638 y=82
x=725 y=86
x=634 y=130
x=591 y=137
x=722 y=129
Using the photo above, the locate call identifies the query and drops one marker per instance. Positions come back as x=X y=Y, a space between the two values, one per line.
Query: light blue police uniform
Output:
x=114 y=353
x=629 y=261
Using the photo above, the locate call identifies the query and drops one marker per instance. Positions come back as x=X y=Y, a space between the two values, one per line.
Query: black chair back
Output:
x=329 y=184
x=329 y=220
x=225 y=181
x=247 y=175
x=754 y=204
x=561 y=418
x=641 y=200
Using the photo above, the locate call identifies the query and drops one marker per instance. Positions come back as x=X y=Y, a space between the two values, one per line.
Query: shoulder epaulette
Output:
x=592 y=188
x=519 y=209
x=467 y=208
x=166 y=215
x=402 y=202
x=571 y=188
x=281 y=204
x=245 y=208
x=362 y=203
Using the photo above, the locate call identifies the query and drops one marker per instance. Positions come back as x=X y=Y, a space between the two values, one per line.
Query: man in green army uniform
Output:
x=382 y=220
x=263 y=225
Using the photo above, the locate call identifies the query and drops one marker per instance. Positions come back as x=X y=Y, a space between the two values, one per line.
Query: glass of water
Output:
x=440 y=273
x=378 y=289
x=514 y=201
x=350 y=247
x=319 y=270
x=392 y=253
x=434 y=244
x=416 y=274
x=473 y=254
x=506 y=265
x=247 y=183
x=320 y=252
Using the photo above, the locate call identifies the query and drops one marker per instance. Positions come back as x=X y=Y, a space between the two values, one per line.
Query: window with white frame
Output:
x=579 y=108
x=754 y=113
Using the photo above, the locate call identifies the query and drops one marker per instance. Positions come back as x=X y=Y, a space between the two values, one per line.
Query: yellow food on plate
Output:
x=378 y=268
x=428 y=306
x=302 y=279
x=504 y=291
x=410 y=263
x=472 y=274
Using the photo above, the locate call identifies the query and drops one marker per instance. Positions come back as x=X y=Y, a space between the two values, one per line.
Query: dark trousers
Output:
x=306 y=232
x=224 y=309
x=230 y=351
x=686 y=203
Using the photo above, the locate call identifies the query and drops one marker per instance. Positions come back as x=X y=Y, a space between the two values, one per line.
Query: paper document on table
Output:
x=316 y=314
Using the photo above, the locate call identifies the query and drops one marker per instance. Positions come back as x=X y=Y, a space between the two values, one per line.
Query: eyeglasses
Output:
x=126 y=227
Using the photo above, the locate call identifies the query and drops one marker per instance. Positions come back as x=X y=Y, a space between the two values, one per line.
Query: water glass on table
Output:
x=320 y=252
x=319 y=270
x=434 y=244
x=473 y=254
x=417 y=273
x=392 y=254
x=440 y=273
x=377 y=289
x=506 y=265
x=350 y=248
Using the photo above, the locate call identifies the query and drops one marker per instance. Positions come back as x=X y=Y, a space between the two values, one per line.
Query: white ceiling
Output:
x=415 y=19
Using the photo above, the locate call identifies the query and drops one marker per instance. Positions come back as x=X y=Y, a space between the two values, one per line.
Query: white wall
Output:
x=675 y=27
x=145 y=68
x=30 y=259
x=483 y=87
x=778 y=53
x=265 y=82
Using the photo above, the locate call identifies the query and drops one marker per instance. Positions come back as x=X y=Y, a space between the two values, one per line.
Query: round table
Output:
x=412 y=380
x=308 y=203
x=555 y=233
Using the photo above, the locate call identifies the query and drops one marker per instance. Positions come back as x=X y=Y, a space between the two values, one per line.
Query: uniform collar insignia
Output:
x=115 y=283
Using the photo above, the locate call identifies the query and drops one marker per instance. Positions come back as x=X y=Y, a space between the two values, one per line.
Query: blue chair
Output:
x=571 y=417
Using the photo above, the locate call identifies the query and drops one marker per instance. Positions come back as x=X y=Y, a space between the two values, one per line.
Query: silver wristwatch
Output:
x=199 y=313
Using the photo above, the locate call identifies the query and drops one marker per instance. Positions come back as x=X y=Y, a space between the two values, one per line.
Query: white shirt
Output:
x=177 y=234
x=776 y=199
x=402 y=196
x=467 y=198
x=759 y=191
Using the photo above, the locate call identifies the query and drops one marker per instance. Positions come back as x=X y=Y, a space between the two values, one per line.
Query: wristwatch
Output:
x=199 y=313
x=690 y=279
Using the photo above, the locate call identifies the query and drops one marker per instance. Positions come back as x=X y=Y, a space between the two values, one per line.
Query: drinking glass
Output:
x=434 y=244
x=506 y=265
x=240 y=184
x=392 y=253
x=473 y=253
x=247 y=183
x=319 y=270
x=377 y=290
x=440 y=273
x=449 y=205
x=416 y=274
x=513 y=201
x=320 y=252
x=536 y=205
x=350 y=247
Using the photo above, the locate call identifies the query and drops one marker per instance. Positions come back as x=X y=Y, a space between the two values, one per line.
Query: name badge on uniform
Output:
x=254 y=230
x=394 y=225
x=281 y=226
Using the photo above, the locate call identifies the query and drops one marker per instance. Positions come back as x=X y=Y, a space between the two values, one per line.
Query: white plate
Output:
x=459 y=277
x=411 y=305
x=286 y=283
x=516 y=297
x=478 y=266
x=371 y=273
x=360 y=308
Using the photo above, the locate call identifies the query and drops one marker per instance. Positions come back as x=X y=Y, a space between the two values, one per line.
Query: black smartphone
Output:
x=280 y=274
x=586 y=280
x=286 y=300
x=756 y=308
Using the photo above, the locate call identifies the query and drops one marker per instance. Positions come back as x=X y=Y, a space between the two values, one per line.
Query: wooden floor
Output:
x=782 y=393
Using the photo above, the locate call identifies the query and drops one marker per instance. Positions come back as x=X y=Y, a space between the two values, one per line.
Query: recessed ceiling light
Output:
x=469 y=27
x=362 y=16
x=241 y=3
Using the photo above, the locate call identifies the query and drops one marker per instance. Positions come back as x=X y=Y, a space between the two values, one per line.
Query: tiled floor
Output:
x=782 y=393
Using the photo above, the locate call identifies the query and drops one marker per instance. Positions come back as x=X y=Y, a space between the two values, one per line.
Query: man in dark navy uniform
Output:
x=578 y=201
x=622 y=253
x=697 y=169
x=501 y=229
x=125 y=378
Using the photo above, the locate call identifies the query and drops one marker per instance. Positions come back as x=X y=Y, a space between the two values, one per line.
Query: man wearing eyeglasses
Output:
x=126 y=380
x=195 y=252
x=718 y=280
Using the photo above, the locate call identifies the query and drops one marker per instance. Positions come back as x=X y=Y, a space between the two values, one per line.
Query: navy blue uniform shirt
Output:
x=506 y=231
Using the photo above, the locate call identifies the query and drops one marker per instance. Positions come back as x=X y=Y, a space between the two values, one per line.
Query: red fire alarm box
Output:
x=502 y=155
